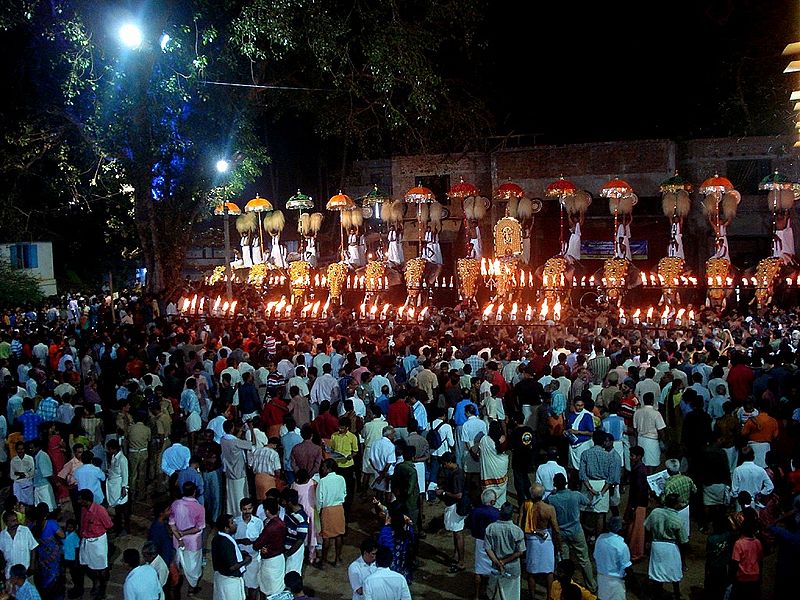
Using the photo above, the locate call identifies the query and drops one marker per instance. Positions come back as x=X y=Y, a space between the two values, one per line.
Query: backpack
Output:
x=435 y=438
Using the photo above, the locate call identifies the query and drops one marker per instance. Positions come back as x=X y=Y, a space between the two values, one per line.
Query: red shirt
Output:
x=272 y=538
x=325 y=425
x=273 y=412
x=748 y=553
x=95 y=521
x=399 y=414
x=740 y=382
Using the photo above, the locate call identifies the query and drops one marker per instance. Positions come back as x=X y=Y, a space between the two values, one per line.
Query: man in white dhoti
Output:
x=277 y=255
x=783 y=239
x=475 y=244
x=668 y=533
x=42 y=476
x=247 y=257
x=675 y=248
x=16 y=543
x=21 y=472
x=248 y=528
x=94 y=526
x=505 y=544
x=396 y=255
x=573 y=250
x=613 y=559
x=187 y=520
x=229 y=562
x=117 y=486
x=623 y=244
x=257 y=255
x=600 y=472
x=142 y=582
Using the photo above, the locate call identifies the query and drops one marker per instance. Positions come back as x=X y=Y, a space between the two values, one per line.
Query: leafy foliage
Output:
x=17 y=287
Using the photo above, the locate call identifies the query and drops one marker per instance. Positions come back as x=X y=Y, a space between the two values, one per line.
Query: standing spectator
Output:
x=42 y=476
x=668 y=534
x=346 y=445
x=306 y=455
x=600 y=472
x=546 y=472
x=382 y=460
x=749 y=477
x=296 y=521
x=117 y=487
x=228 y=562
x=568 y=505
x=479 y=519
x=331 y=494
x=454 y=493
x=234 y=464
x=649 y=430
x=142 y=582
x=271 y=544
x=248 y=529
x=187 y=521
x=638 y=500
x=746 y=564
x=93 y=552
x=540 y=526
x=266 y=465
x=17 y=543
x=385 y=584
x=22 y=473
x=362 y=567
x=613 y=559
x=505 y=544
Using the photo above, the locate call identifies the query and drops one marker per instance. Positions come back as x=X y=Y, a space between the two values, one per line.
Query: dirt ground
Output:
x=431 y=579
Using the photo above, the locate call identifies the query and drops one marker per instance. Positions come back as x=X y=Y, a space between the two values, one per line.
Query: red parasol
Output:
x=716 y=184
x=616 y=188
x=560 y=188
x=508 y=190
x=462 y=190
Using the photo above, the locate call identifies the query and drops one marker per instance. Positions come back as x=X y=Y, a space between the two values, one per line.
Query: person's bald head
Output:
x=537 y=491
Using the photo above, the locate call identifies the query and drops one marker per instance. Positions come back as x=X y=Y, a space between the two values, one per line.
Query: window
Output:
x=745 y=175
x=24 y=256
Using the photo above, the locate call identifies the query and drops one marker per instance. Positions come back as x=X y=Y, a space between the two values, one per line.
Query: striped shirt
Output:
x=599 y=366
x=296 y=527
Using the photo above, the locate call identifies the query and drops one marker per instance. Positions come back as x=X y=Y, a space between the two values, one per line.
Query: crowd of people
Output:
x=558 y=457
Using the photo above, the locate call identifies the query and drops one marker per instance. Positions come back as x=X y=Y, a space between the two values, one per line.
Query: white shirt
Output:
x=323 y=387
x=647 y=385
x=471 y=428
x=749 y=477
x=236 y=377
x=612 y=555
x=377 y=382
x=545 y=474
x=358 y=571
x=17 y=550
x=142 y=583
x=446 y=433
x=385 y=584
x=250 y=530
x=382 y=453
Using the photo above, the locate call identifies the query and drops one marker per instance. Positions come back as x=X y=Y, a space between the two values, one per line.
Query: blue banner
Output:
x=603 y=249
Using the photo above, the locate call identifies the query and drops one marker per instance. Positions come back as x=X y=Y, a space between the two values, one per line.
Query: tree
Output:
x=142 y=128
x=17 y=287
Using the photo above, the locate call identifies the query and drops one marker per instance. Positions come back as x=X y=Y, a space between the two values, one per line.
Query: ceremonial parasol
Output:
x=340 y=202
x=561 y=188
x=462 y=190
x=421 y=196
x=259 y=205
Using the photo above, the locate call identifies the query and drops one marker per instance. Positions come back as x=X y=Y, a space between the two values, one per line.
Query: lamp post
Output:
x=226 y=209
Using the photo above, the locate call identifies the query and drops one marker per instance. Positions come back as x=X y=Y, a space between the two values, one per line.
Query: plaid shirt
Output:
x=681 y=485
x=475 y=362
x=48 y=409
x=599 y=464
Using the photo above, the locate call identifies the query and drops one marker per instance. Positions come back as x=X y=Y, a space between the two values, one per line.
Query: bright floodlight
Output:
x=223 y=165
x=131 y=36
x=164 y=41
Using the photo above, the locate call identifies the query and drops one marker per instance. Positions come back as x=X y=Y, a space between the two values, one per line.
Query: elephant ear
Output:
x=730 y=202
x=469 y=207
x=684 y=203
x=711 y=204
x=524 y=209
x=786 y=199
x=316 y=222
x=304 y=224
x=582 y=201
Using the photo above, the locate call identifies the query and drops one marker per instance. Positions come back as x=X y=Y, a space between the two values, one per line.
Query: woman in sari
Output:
x=307 y=496
x=49 y=574
x=57 y=451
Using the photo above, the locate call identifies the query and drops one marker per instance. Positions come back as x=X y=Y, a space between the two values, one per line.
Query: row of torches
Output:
x=678 y=317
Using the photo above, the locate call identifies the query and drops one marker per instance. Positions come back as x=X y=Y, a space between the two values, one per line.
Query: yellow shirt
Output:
x=346 y=444
x=555 y=592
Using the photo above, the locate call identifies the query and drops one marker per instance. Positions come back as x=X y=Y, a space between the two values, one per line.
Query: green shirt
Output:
x=665 y=525
x=5 y=350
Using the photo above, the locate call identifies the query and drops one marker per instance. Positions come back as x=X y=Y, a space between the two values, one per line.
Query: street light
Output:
x=223 y=165
x=131 y=36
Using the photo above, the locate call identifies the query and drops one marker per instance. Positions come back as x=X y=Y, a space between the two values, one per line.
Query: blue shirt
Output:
x=14 y=406
x=612 y=555
x=586 y=423
x=161 y=537
x=480 y=518
x=89 y=478
x=568 y=504
x=175 y=458
x=189 y=401
x=47 y=409
x=30 y=425
x=70 y=545
x=459 y=418
x=383 y=403
x=190 y=474
x=558 y=402
x=289 y=440
x=27 y=591
x=615 y=425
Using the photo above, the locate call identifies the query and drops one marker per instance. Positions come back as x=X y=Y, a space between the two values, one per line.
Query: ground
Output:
x=431 y=579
